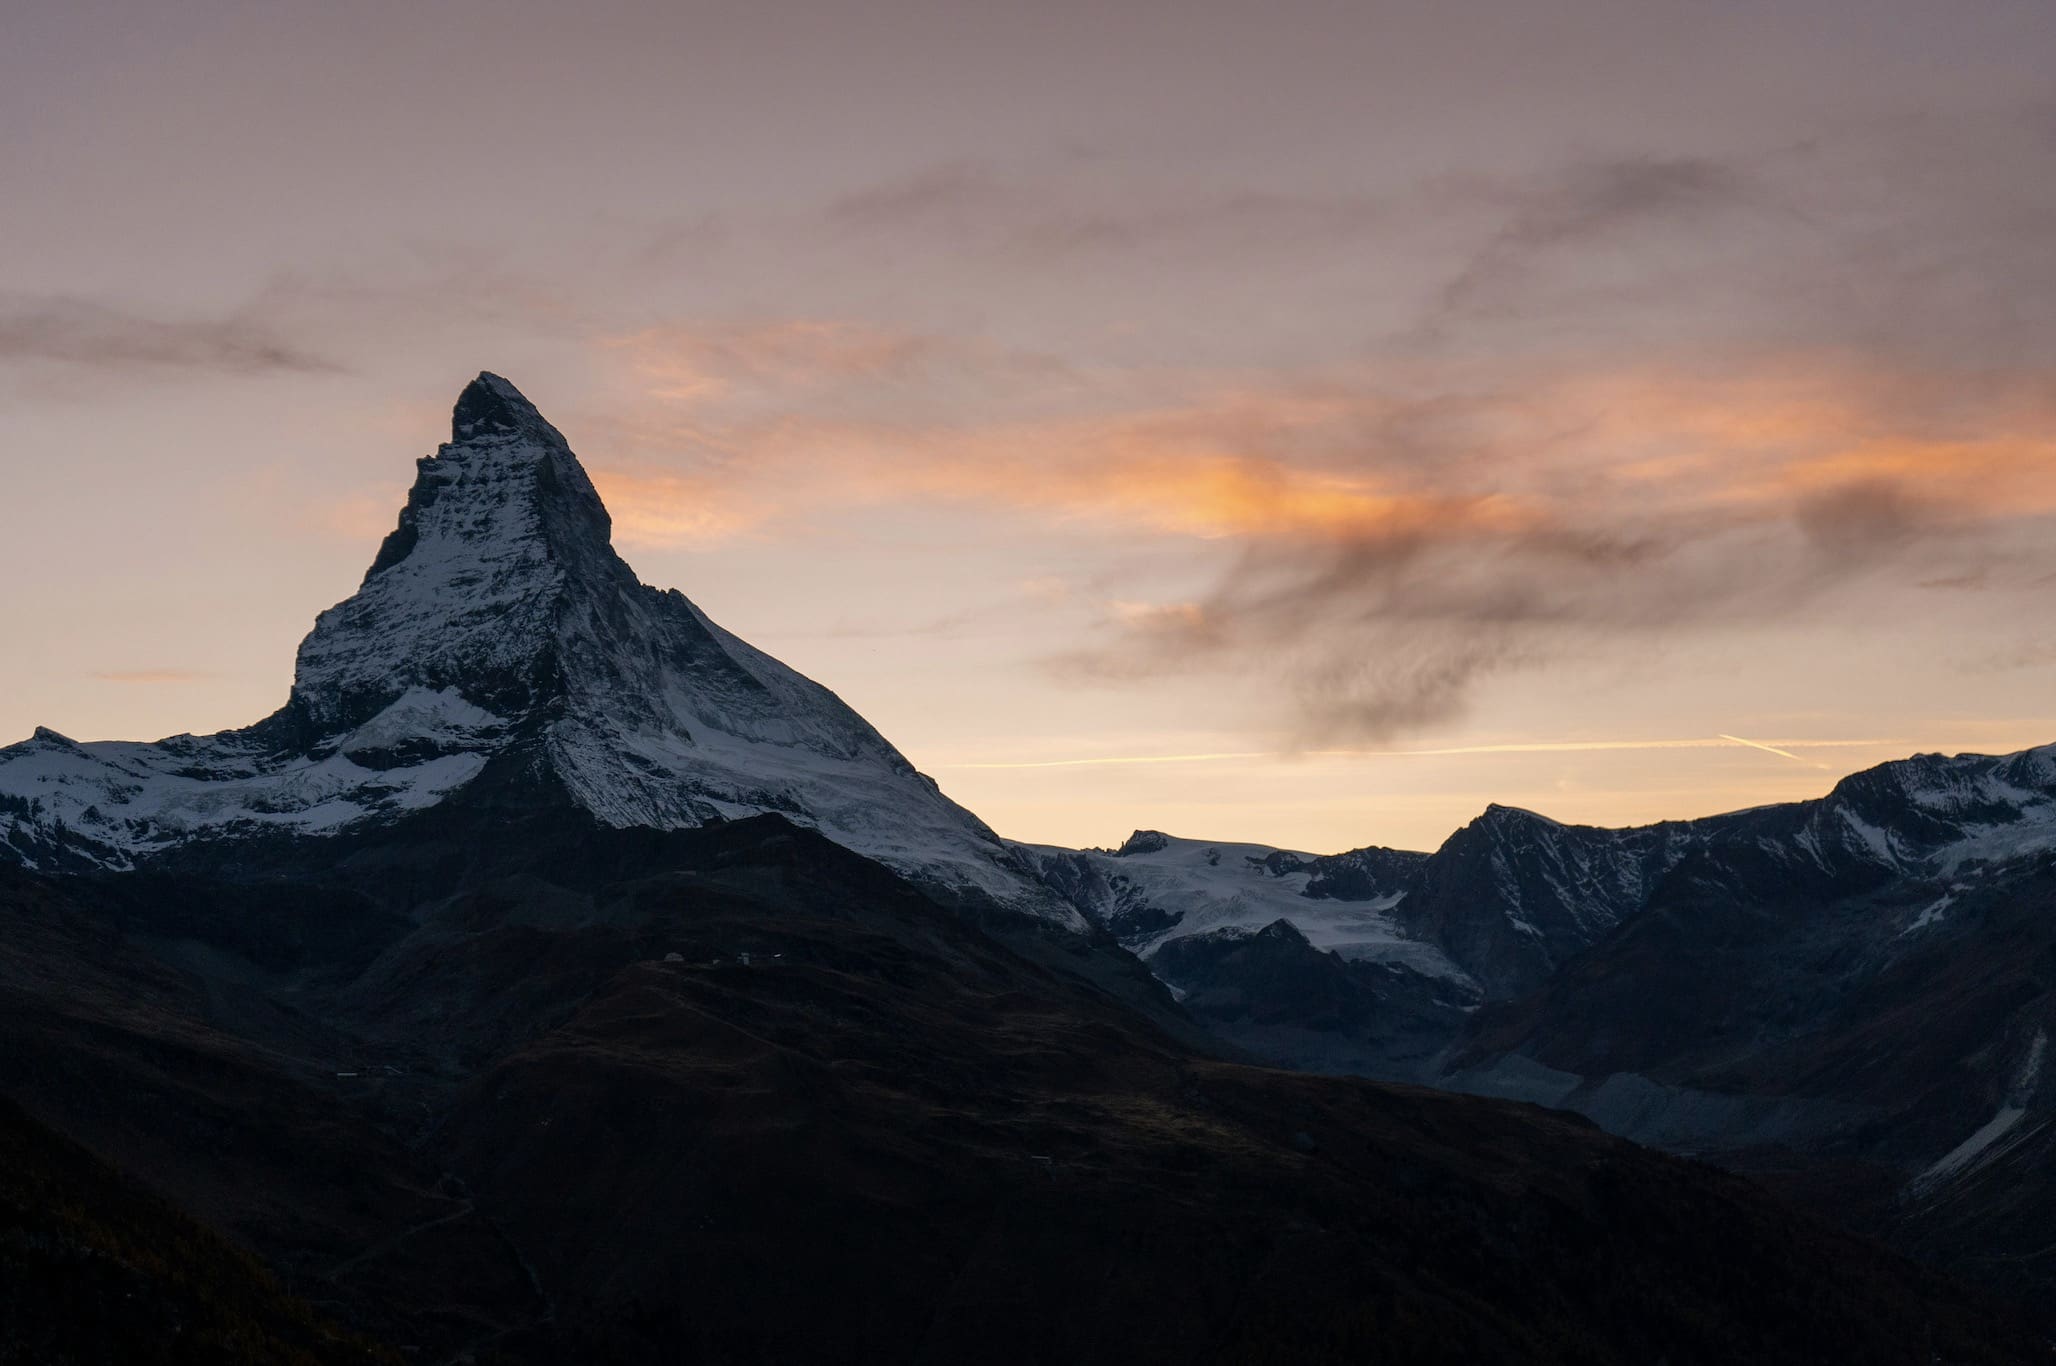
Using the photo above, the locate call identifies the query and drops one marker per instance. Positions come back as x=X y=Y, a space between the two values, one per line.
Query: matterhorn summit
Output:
x=499 y=650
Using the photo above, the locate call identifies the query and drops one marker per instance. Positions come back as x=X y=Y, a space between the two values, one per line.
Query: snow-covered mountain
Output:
x=1157 y=888
x=1868 y=975
x=1296 y=957
x=1513 y=895
x=1871 y=975
x=1514 y=900
x=499 y=642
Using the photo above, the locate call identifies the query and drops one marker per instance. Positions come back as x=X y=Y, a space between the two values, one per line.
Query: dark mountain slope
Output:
x=887 y=1136
x=1850 y=997
x=1793 y=1026
x=95 y=1269
x=1271 y=992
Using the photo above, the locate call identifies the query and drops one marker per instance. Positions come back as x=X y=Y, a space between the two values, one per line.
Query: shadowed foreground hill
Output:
x=540 y=1109
x=95 y=1269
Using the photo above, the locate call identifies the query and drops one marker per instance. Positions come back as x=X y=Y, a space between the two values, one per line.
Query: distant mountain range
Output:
x=1852 y=995
x=555 y=977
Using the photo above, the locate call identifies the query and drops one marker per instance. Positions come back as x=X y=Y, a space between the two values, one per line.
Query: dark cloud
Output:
x=922 y=197
x=1585 y=208
x=1374 y=696
x=1970 y=581
x=1375 y=634
x=1918 y=240
x=1245 y=221
x=1381 y=632
x=77 y=332
x=1052 y=220
x=694 y=237
x=2040 y=654
x=1864 y=521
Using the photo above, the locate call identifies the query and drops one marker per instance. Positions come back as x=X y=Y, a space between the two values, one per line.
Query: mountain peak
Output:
x=490 y=405
x=497 y=632
x=501 y=536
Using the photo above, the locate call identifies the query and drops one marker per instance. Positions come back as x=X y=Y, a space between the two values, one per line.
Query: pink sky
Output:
x=1372 y=410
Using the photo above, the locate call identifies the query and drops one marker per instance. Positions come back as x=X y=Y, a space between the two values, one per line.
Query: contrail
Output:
x=1127 y=759
x=1536 y=747
x=1772 y=749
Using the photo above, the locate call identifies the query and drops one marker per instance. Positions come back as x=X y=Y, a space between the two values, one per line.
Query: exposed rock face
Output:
x=498 y=628
x=501 y=535
x=1513 y=894
x=1273 y=993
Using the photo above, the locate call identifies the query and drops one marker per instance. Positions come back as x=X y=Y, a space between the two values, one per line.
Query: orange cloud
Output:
x=783 y=358
x=703 y=363
x=1798 y=425
x=1401 y=538
x=1124 y=473
x=732 y=427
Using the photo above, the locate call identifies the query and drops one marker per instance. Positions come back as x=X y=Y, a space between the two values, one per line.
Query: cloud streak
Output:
x=1530 y=747
x=1052 y=222
x=151 y=677
x=88 y=335
x=1390 y=545
x=1616 y=205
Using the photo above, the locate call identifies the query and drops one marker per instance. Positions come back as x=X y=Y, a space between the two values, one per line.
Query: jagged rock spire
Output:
x=467 y=591
x=491 y=405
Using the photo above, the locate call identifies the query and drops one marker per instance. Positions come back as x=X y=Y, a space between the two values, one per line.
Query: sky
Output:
x=1289 y=422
